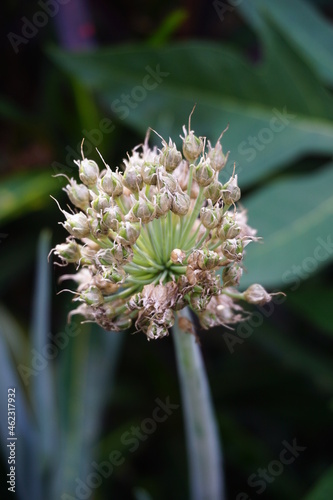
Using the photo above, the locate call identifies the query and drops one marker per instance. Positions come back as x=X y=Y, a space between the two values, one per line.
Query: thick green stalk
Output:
x=203 y=450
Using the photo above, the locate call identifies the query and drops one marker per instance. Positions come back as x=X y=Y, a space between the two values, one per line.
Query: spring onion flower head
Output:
x=158 y=235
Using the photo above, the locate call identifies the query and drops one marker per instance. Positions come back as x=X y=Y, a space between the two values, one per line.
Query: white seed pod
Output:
x=163 y=202
x=155 y=331
x=218 y=160
x=229 y=228
x=101 y=202
x=76 y=224
x=168 y=182
x=111 y=218
x=207 y=259
x=111 y=183
x=128 y=232
x=149 y=173
x=192 y=146
x=177 y=256
x=203 y=172
x=170 y=157
x=142 y=210
x=256 y=294
x=69 y=251
x=233 y=249
x=114 y=274
x=231 y=275
x=213 y=191
x=180 y=203
x=88 y=172
x=210 y=216
x=133 y=179
x=92 y=296
x=78 y=194
x=231 y=193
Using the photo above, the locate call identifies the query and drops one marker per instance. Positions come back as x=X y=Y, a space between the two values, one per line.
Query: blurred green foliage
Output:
x=265 y=68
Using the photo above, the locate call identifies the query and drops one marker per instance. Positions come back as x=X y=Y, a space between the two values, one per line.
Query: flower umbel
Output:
x=151 y=240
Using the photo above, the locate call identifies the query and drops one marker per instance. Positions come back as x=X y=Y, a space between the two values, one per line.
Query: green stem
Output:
x=204 y=455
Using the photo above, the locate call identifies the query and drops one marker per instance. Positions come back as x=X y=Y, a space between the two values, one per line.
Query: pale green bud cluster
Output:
x=153 y=237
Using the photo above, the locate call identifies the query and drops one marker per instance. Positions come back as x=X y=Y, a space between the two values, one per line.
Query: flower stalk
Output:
x=203 y=445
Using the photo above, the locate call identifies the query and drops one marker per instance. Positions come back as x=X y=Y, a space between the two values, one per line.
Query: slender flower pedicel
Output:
x=161 y=235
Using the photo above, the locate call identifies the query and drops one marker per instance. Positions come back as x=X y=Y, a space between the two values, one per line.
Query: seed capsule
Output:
x=233 y=249
x=76 y=224
x=111 y=183
x=111 y=218
x=142 y=210
x=256 y=294
x=231 y=275
x=133 y=179
x=213 y=191
x=78 y=194
x=92 y=296
x=192 y=146
x=180 y=203
x=128 y=232
x=218 y=160
x=170 y=157
x=231 y=192
x=203 y=172
x=149 y=173
x=69 y=251
x=211 y=216
x=229 y=229
x=177 y=256
x=163 y=201
x=88 y=172
x=101 y=202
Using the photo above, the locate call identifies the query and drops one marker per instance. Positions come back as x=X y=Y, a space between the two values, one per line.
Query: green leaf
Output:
x=323 y=490
x=169 y=25
x=25 y=192
x=281 y=113
x=311 y=34
x=294 y=217
x=28 y=471
x=42 y=381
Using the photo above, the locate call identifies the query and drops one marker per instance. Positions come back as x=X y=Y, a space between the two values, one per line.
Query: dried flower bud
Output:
x=111 y=183
x=231 y=192
x=218 y=160
x=69 y=251
x=233 y=249
x=177 y=256
x=149 y=173
x=203 y=172
x=133 y=179
x=180 y=203
x=114 y=274
x=101 y=202
x=76 y=224
x=207 y=259
x=231 y=275
x=78 y=194
x=128 y=232
x=229 y=229
x=88 y=172
x=170 y=157
x=111 y=218
x=192 y=146
x=256 y=294
x=163 y=202
x=211 y=216
x=169 y=182
x=142 y=210
x=92 y=296
x=155 y=331
x=213 y=191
